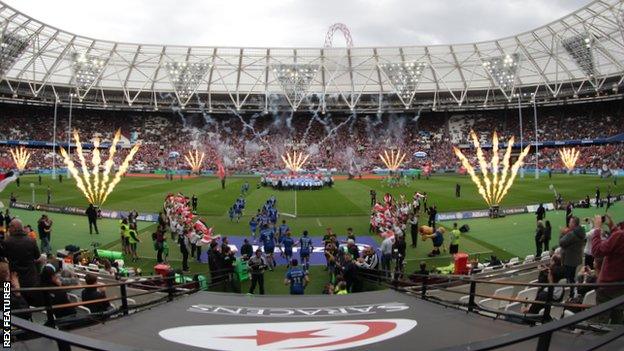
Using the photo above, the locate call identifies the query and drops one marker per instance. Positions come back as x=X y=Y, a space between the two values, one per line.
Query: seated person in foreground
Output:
x=545 y=276
x=93 y=293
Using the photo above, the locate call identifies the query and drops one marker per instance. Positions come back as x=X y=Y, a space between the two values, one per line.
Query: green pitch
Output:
x=345 y=205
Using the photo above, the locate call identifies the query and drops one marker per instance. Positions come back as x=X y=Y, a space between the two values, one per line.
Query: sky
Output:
x=298 y=23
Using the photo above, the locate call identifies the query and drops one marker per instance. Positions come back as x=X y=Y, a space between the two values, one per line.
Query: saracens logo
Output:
x=318 y=336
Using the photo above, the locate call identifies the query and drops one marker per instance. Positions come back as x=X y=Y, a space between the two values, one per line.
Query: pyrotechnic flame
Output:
x=493 y=186
x=94 y=188
x=21 y=156
x=194 y=160
x=394 y=160
x=569 y=157
x=295 y=161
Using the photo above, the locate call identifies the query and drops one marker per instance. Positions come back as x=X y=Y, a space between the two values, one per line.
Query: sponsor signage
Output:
x=147 y=217
x=22 y=205
x=304 y=312
x=317 y=335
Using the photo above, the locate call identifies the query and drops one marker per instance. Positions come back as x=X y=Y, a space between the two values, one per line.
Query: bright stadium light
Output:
x=404 y=78
x=579 y=47
x=295 y=80
x=186 y=78
x=86 y=70
x=503 y=70
x=11 y=48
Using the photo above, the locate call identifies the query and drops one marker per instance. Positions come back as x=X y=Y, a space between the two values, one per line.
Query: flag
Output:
x=220 y=169
x=7 y=178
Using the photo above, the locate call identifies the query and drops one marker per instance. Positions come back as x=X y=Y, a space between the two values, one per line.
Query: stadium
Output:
x=188 y=197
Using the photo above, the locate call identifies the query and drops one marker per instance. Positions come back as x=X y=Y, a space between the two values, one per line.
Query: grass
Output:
x=345 y=205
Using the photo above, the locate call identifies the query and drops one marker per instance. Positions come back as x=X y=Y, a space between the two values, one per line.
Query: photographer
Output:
x=257 y=266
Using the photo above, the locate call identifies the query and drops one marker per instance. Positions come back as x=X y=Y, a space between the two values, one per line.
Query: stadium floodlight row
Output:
x=579 y=55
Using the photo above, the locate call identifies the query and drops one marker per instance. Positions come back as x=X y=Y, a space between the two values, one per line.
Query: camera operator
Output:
x=257 y=265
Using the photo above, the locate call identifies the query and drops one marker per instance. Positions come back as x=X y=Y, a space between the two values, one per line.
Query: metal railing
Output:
x=543 y=332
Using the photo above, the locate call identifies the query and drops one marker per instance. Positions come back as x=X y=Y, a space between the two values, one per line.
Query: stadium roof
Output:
x=580 y=53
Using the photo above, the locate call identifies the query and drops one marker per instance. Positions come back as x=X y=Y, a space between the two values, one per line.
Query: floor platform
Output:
x=380 y=320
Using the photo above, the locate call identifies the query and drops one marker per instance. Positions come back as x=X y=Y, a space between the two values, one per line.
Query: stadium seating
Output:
x=361 y=139
x=528 y=294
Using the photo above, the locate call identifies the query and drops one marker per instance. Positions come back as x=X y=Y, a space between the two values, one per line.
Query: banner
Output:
x=111 y=214
x=454 y=216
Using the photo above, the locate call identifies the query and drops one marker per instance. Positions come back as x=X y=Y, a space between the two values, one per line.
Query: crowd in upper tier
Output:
x=255 y=142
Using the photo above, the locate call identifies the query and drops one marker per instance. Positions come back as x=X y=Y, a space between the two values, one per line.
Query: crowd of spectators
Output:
x=333 y=141
x=25 y=266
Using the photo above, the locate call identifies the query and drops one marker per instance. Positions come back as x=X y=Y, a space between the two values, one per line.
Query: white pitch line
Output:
x=295 y=203
x=319 y=222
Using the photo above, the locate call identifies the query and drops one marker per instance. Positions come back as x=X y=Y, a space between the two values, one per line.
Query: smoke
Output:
x=228 y=154
x=252 y=148
x=333 y=130
x=313 y=150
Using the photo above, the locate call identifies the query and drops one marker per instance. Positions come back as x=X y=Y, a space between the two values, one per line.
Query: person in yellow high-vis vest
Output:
x=133 y=240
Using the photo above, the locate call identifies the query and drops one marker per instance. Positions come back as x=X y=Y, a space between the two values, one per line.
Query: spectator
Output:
x=610 y=251
x=108 y=268
x=229 y=259
x=341 y=288
x=352 y=249
x=44 y=226
x=23 y=255
x=94 y=293
x=398 y=250
x=587 y=250
x=386 y=255
x=17 y=300
x=494 y=261
x=540 y=213
x=422 y=269
x=49 y=278
x=350 y=274
x=539 y=238
x=246 y=250
x=159 y=243
x=571 y=242
x=30 y=232
x=545 y=276
x=67 y=277
x=369 y=259
x=328 y=289
x=547 y=235
x=7 y=218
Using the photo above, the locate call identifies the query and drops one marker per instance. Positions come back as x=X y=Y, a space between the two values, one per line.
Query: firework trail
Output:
x=331 y=132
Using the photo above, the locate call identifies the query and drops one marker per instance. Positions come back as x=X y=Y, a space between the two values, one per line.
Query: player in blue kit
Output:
x=305 y=244
x=281 y=231
x=297 y=278
x=267 y=238
x=253 y=226
x=287 y=243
